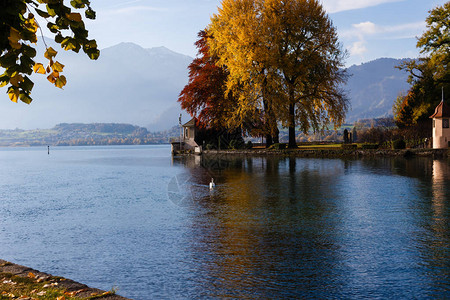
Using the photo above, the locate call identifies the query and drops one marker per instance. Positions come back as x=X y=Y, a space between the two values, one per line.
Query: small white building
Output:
x=187 y=142
x=189 y=130
x=441 y=130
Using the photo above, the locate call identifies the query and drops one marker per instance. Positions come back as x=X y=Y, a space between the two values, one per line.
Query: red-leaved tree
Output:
x=204 y=95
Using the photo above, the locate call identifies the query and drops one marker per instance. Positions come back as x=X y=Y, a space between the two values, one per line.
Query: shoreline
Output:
x=333 y=153
x=15 y=275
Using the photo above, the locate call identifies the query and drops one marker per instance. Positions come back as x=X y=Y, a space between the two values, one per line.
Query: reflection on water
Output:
x=272 y=228
x=289 y=227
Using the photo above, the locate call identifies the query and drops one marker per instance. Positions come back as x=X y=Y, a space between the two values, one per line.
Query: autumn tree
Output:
x=284 y=57
x=204 y=96
x=236 y=34
x=429 y=74
x=20 y=28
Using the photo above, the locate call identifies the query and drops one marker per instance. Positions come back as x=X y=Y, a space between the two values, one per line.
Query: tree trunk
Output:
x=292 y=143
x=269 y=141
x=267 y=124
x=276 y=136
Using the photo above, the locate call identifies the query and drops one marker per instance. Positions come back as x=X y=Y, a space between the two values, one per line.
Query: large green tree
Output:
x=283 y=57
x=427 y=75
x=20 y=28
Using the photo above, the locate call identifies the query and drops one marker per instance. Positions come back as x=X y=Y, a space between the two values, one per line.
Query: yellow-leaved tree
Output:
x=283 y=57
x=238 y=42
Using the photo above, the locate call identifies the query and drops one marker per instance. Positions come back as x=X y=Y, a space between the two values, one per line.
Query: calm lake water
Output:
x=136 y=219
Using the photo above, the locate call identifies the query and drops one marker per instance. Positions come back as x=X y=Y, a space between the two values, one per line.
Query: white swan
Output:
x=212 y=184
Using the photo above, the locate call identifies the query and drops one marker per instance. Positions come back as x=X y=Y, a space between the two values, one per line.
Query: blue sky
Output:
x=368 y=29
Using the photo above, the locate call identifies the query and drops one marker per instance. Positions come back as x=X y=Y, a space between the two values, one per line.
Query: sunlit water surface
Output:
x=136 y=219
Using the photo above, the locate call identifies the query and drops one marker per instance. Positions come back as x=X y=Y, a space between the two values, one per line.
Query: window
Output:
x=445 y=123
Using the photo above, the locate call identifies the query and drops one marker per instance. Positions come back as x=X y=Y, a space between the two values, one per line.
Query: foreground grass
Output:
x=33 y=288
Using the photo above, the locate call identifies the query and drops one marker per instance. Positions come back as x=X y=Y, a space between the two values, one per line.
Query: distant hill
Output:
x=373 y=88
x=76 y=134
x=130 y=84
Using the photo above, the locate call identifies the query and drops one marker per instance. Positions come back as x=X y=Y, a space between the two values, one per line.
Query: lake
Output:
x=135 y=218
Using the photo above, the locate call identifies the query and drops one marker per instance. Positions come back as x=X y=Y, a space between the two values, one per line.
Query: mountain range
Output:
x=130 y=84
x=373 y=87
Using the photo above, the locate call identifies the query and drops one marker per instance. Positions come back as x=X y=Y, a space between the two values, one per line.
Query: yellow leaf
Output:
x=39 y=68
x=31 y=24
x=16 y=45
x=13 y=94
x=31 y=275
x=51 y=78
x=16 y=79
x=61 y=298
x=61 y=81
x=58 y=67
x=50 y=53
x=14 y=38
x=14 y=35
x=74 y=17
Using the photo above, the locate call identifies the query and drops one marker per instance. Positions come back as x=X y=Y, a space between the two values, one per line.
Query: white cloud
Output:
x=333 y=6
x=365 y=29
x=358 y=48
x=359 y=36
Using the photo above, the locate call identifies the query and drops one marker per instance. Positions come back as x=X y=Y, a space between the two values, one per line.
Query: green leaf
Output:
x=90 y=14
x=26 y=84
x=8 y=60
x=53 y=27
x=16 y=79
x=4 y=80
x=70 y=44
x=77 y=4
x=93 y=53
x=92 y=44
x=59 y=38
x=28 y=51
x=62 y=22
x=25 y=98
x=42 y=13
x=51 y=11
x=26 y=64
x=29 y=36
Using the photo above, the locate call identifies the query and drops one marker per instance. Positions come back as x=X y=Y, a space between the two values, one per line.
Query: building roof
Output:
x=190 y=123
x=442 y=111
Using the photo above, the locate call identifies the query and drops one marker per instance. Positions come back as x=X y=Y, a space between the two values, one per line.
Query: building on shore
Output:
x=187 y=141
x=441 y=130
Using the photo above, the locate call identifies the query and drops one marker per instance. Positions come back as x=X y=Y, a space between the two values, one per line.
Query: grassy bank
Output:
x=20 y=282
